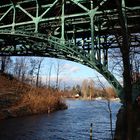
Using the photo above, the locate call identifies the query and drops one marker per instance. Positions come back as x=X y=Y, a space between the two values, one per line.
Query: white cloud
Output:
x=68 y=80
x=71 y=68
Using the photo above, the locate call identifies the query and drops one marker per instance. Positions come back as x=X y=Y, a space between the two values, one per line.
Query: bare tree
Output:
x=59 y=68
x=5 y=60
x=50 y=71
x=38 y=71
x=87 y=88
x=21 y=68
x=127 y=78
x=32 y=69
x=91 y=88
x=108 y=105
x=136 y=69
x=84 y=88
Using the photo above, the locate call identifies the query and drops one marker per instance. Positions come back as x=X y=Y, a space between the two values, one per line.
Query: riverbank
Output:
x=19 y=99
x=120 y=127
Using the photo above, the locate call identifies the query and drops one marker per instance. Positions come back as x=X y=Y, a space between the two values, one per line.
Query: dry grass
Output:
x=24 y=99
x=110 y=93
x=43 y=100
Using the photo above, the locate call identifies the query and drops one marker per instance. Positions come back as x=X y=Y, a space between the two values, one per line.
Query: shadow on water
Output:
x=71 y=124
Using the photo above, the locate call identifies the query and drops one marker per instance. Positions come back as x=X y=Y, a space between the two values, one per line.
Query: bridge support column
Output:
x=63 y=22
x=14 y=17
x=92 y=14
x=36 y=20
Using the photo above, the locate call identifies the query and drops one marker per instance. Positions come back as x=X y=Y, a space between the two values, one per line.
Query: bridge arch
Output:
x=35 y=44
x=95 y=22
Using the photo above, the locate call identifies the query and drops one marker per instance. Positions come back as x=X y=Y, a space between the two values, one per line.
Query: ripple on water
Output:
x=71 y=124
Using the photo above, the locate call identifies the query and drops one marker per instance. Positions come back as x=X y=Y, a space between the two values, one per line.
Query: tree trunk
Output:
x=2 y=65
x=125 y=50
x=50 y=71
x=4 y=62
x=128 y=116
x=38 y=72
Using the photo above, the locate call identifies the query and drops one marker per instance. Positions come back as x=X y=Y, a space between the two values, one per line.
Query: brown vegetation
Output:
x=18 y=99
x=43 y=100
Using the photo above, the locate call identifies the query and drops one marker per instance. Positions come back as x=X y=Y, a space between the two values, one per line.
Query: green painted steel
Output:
x=78 y=30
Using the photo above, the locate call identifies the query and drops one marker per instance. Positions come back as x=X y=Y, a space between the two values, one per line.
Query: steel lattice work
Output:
x=77 y=30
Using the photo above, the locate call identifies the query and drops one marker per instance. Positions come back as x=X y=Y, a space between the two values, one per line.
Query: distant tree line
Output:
x=88 y=90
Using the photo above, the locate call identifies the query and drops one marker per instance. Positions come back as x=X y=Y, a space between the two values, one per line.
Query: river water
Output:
x=71 y=124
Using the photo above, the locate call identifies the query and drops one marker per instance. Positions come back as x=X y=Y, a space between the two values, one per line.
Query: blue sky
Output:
x=72 y=73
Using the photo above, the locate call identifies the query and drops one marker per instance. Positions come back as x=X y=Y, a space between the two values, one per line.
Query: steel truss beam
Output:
x=76 y=30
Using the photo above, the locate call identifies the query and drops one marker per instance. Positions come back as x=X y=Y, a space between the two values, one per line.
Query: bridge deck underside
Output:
x=46 y=17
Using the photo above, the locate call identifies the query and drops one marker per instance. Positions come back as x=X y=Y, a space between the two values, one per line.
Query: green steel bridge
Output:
x=78 y=30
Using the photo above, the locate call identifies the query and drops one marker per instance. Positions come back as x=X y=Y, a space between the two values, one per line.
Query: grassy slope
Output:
x=18 y=99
